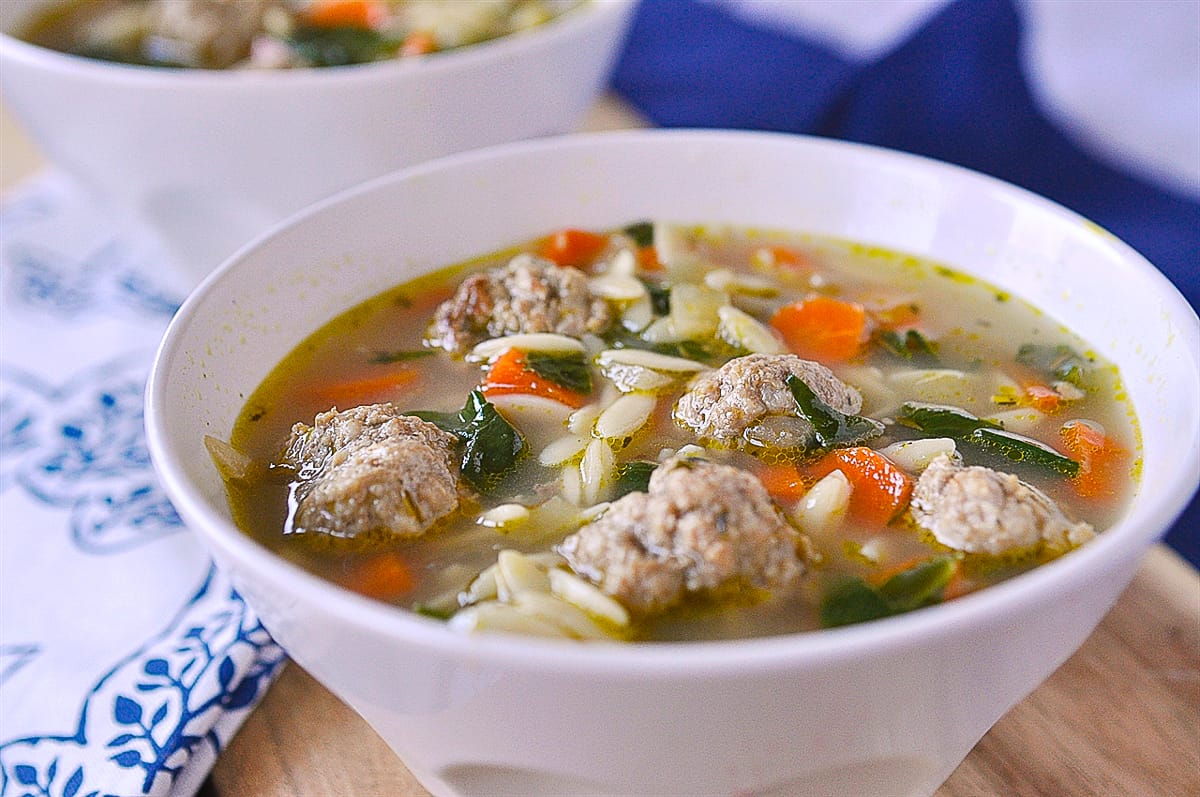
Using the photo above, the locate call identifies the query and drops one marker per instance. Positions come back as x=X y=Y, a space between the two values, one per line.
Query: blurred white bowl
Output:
x=885 y=708
x=209 y=158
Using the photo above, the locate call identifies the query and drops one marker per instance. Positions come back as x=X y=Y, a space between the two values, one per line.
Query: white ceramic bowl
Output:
x=208 y=158
x=889 y=707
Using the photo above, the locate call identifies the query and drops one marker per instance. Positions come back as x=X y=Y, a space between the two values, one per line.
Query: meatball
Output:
x=371 y=470
x=530 y=294
x=701 y=526
x=980 y=510
x=748 y=399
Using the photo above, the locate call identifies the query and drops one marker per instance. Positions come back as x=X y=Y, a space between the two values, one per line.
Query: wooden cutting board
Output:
x=1120 y=718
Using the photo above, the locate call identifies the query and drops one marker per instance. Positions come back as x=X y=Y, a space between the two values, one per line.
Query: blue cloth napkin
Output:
x=126 y=660
x=954 y=89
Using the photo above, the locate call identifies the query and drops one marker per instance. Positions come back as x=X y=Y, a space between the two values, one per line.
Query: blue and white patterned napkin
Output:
x=126 y=660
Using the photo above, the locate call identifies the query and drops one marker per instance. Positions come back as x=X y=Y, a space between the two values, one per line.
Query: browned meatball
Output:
x=701 y=526
x=980 y=510
x=530 y=294
x=371 y=470
x=748 y=399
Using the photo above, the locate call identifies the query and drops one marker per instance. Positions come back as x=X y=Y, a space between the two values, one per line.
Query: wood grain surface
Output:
x=1121 y=718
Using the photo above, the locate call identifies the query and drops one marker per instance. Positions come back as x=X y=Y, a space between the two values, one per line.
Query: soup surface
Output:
x=278 y=34
x=673 y=432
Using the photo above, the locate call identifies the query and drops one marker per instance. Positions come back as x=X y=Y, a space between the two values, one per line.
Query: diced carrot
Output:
x=783 y=257
x=878 y=489
x=1034 y=390
x=900 y=317
x=347 y=13
x=384 y=576
x=821 y=328
x=418 y=43
x=509 y=375
x=369 y=389
x=783 y=482
x=1041 y=397
x=572 y=247
x=647 y=258
x=1102 y=463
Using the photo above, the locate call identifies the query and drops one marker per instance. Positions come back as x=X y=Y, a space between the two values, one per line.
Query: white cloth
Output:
x=126 y=660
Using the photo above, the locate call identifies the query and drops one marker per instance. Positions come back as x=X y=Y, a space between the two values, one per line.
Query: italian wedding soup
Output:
x=670 y=432
x=278 y=34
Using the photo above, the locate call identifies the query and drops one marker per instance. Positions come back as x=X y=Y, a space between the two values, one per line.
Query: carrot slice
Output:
x=368 y=390
x=572 y=247
x=647 y=258
x=821 y=328
x=384 y=576
x=1042 y=397
x=418 y=43
x=783 y=482
x=509 y=375
x=346 y=13
x=782 y=257
x=879 y=490
x=1102 y=463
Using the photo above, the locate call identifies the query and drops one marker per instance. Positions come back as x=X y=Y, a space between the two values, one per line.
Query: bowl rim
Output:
x=564 y=26
x=1111 y=549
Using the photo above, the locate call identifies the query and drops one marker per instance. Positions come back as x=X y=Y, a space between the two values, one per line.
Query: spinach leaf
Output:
x=340 y=46
x=385 y=357
x=570 y=371
x=713 y=351
x=641 y=232
x=941 y=420
x=913 y=346
x=660 y=297
x=1061 y=362
x=633 y=477
x=832 y=428
x=434 y=612
x=919 y=585
x=1019 y=448
x=944 y=421
x=853 y=600
x=491 y=446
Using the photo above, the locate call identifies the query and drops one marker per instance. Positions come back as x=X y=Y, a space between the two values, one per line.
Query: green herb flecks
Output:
x=855 y=601
x=491 y=446
x=569 y=371
x=831 y=427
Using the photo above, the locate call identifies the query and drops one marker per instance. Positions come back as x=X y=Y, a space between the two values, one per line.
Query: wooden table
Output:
x=1120 y=718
